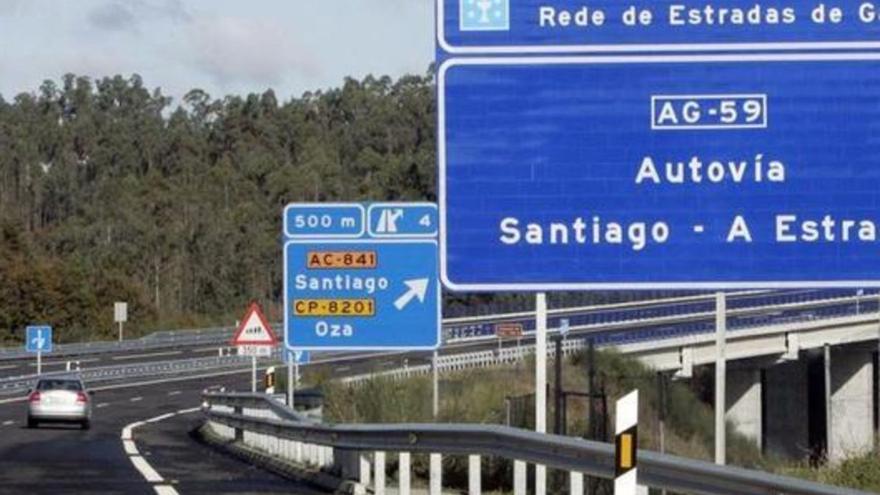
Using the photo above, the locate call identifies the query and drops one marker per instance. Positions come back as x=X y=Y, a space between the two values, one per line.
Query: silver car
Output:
x=59 y=399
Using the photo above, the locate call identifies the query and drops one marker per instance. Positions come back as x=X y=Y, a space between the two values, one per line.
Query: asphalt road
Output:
x=62 y=459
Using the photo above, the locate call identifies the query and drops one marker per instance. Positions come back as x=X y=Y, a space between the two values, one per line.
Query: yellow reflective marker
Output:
x=626 y=451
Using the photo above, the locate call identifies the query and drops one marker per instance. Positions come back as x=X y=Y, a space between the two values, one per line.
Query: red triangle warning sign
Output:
x=254 y=329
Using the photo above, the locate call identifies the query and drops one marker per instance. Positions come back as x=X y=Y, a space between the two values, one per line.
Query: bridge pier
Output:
x=851 y=402
x=744 y=404
x=786 y=408
x=821 y=405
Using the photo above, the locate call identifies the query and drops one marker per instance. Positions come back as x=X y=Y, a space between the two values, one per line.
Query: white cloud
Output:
x=248 y=50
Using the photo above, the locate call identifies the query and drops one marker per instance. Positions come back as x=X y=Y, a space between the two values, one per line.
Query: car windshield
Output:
x=71 y=385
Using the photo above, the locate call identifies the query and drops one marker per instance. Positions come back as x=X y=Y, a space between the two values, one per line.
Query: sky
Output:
x=220 y=46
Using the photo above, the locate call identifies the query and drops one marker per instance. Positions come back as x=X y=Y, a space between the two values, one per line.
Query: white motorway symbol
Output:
x=417 y=288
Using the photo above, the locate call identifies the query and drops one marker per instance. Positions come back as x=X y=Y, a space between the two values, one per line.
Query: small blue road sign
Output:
x=397 y=220
x=39 y=339
x=324 y=221
x=297 y=356
x=379 y=291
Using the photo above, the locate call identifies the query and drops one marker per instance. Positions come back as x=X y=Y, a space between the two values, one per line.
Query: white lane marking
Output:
x=139 y=462
x=160 y=418
x=130 y=447
x=9 y=367
x=126 y=432
x=174 y=392
x=103 y=404
x=155 y=354
x=145 y=469
x=136 y=399
x=7 y=423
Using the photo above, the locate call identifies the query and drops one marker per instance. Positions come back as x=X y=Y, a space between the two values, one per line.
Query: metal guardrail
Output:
x=787 y=308
x=482 y=327
x=157 y=340
x=238 y=415
x=15 y=385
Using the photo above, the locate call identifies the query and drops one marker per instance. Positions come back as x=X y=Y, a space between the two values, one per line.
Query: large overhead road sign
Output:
x=361 y=276
x=691 y=168
x=467 y=27
x=696 y=172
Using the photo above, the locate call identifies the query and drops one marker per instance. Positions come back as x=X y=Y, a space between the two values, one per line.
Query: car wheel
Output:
x=86 y=424
x=32 y=423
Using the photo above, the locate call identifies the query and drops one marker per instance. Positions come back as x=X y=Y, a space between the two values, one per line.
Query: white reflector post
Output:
x=626 y=442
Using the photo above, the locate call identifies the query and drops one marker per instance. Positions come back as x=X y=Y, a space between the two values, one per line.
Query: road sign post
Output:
x=120 y=315
x=720 y=378
x=294 y=358
x=540 y=383
x=254 y=337
x=361 y=276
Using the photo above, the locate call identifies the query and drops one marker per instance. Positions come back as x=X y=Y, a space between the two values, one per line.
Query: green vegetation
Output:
x=109 y=192
x=479 y=397
x=861 y=472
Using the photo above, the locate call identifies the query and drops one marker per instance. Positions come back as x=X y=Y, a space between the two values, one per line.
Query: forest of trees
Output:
x=109 y=191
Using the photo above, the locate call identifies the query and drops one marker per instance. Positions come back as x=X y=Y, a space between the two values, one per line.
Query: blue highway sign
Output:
x=570 y=26
x=698 y=171
x=297 y=356
x=324 y=220
x=39 y=339
x=380 y=291
x=394 y=220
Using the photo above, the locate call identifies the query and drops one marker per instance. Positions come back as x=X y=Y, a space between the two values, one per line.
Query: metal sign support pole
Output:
x=436 y=404
x=253 y=374
x=295 y=383
x=720 y=377
x=39 y=362
x=120 y=331
x=541 y=383
x=557 y=366
x=289 y=384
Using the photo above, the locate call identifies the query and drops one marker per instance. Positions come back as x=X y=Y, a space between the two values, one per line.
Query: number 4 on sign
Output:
x=425 y=221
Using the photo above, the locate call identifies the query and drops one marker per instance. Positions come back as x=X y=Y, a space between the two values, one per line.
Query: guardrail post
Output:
x=474 y=481
x=404 y=474
x=436 y=475
x=239 y=433
x=576 y=483
x=519 y=478
x=365 y=470
x=379 y=485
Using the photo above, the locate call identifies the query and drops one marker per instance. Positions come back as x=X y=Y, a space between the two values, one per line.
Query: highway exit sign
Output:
x=361 y=276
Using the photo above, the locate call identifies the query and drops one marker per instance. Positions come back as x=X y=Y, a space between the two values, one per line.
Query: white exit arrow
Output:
x=417 y=288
